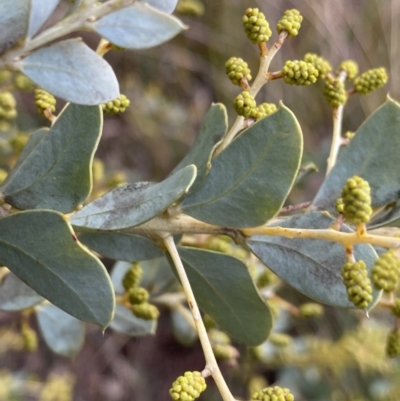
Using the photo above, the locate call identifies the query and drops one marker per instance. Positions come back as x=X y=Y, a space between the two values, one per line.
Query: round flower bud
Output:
x=22 y=82
x=116 y=106
x=97 y=170
x=370 y=80
x=256 y=26
x=132 y=276
x=145 y=311
x=356 y=200
x=29 y=338
x=385 y=273
x=219 y=245
x=3 y=175
x=240 y=253
x=188 y=387
x=266 y=278
x=273 y=394
x=263 y=110
x=218 y=337
x=116 y=179
x=322 y=65
x=8 y=105
x=5 y=76
x=396 y=308
x=280 y=340
x=193 y=8
x=4 y=126
x=225 y=352
x=244 y=103
x=18 y=142
x=256 y=382
x=335 y=92
x=208 y=321
x=311 y=309
x=355 y=278
x=44 y=101
x=339 y=205
x=237 y=69
x=393 y=344
x=298 y=72
x=349 y=134
x=138 y=295
x=290 y=22
x=351 y=68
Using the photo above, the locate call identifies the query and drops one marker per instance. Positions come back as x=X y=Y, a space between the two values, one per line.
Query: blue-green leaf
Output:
x=34 y=139
x=62 y=332
x=54 y=171
x=311 y=266
x=372 y=154
x=167 y=6
x=119 y=245
x=15 y=295
x=39 y=13
x=72 y=71
x=224 y=290
x=251 y=178
x=134 y=204
x=184 y=332
x=14 y=16
x=137 y=27
x=213 y=128
x=40 y=248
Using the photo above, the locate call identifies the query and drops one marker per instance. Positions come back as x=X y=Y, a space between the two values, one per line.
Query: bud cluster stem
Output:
x=260 y=80
x=337 y=131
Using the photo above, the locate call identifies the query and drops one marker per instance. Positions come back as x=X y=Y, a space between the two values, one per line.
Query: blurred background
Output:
x=338 y=356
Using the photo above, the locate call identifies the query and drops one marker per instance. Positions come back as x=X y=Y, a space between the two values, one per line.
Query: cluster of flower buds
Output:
x=273 y=394
x=188 y=387
x=138 y=296
x=355 y=278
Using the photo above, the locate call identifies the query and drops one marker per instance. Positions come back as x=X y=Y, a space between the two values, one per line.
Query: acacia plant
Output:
x=233 y=182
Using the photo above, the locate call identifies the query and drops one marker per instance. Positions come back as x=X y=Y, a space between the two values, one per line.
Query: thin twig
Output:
x=211 y=363
x=346 y=239
x=261 y=79
x=188 y=225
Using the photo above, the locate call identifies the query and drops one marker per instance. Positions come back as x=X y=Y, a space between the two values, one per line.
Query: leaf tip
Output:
x=389 y=99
